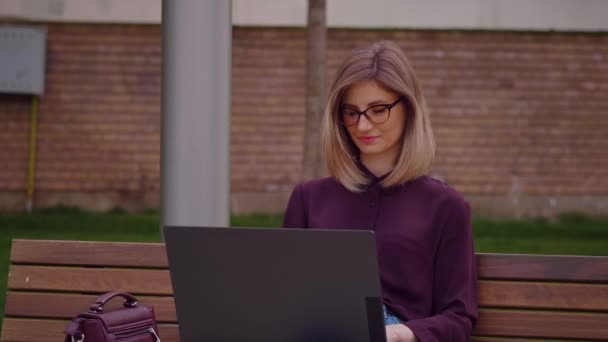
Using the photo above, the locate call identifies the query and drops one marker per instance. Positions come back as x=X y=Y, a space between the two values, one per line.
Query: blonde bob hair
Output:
x=387 y=64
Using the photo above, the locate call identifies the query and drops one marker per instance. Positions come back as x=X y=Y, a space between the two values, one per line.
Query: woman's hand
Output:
x=399 y=333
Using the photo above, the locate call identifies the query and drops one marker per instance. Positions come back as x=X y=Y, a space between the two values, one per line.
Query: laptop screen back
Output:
x=248 y=284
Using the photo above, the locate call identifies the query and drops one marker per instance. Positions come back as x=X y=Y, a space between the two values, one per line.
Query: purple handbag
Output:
x=132 y=323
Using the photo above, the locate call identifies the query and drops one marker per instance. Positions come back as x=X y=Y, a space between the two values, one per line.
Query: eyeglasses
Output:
x=379 y=114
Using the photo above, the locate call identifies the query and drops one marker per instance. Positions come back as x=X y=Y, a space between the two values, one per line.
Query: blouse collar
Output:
x=373 y=179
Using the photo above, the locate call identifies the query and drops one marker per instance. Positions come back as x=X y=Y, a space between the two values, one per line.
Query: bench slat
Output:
x=558 y=325
x=543 y=267
x=93 y=280
x=39 y=330
x=547 y=325
x=152 y=255
x=492 y=293
x=93 y=253
x=564 y=296
x=66 y=306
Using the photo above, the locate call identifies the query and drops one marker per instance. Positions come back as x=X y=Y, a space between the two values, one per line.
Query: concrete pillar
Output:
x=195 y=139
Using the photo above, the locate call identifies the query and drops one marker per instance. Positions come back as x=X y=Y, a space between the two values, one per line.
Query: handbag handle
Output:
x=97 y=306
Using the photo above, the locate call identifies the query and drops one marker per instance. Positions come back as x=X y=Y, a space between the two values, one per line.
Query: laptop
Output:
x=264 y=284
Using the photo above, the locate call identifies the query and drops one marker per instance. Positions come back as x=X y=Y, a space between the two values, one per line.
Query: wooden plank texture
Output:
x=38 y=330
x=93 y=280
x=557 y=325
x=66 y=306
x=152 y=255
x=543 y=267
x=15 y=329
x=495 y=294
x=43 y=297
x=537 y=295
x=92 y=253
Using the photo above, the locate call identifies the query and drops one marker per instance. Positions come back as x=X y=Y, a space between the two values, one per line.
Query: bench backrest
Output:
x=521 y=296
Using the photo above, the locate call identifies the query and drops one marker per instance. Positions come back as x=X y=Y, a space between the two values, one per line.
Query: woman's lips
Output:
x=368 y=139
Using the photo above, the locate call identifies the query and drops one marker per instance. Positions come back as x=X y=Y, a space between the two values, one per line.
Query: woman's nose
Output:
x=363 y=123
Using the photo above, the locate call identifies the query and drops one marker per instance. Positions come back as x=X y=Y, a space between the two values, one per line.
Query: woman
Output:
x=378 y=146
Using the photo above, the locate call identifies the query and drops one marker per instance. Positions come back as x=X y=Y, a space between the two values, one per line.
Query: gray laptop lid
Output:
x=248 y=284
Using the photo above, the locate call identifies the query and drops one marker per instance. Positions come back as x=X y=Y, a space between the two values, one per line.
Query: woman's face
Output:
x=374 y=139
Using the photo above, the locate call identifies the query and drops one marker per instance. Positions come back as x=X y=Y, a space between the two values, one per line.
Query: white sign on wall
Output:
x=22 y=60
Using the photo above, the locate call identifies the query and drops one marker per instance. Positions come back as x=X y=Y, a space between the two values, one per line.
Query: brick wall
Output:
x=521 y=119
x=98 y=122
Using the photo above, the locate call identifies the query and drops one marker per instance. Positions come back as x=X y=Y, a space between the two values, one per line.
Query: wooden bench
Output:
x=522 y=297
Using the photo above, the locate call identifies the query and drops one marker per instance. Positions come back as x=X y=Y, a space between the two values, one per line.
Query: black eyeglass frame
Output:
x=364 y=112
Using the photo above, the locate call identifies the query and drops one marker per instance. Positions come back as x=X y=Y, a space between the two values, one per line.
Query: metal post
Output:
x=195 y=138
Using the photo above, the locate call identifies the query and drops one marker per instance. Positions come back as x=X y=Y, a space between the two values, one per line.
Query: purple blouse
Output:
x=424 y=242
